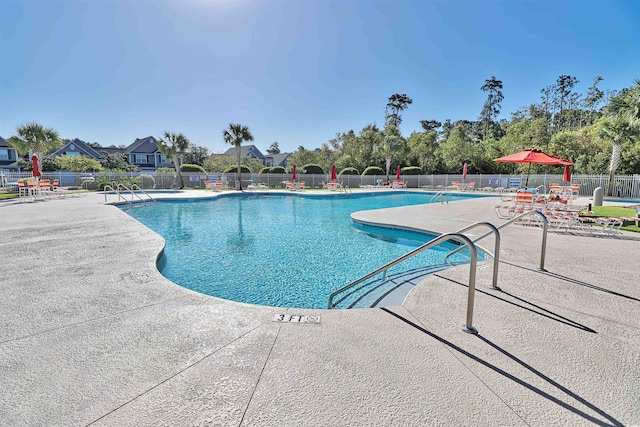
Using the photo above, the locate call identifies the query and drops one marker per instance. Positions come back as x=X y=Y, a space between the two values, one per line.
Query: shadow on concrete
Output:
x=574 y=281
x=543 y=311
x=611 y=421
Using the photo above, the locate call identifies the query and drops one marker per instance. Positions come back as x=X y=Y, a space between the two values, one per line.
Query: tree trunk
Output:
x=176 y=164
x=615 y=161
x=388 y=161
x=239 y=174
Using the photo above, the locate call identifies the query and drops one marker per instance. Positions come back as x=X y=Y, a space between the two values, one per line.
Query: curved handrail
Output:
x=545 y=226
x=442 y=195
x=136 y=187
x=467 y=327
x=496 y=249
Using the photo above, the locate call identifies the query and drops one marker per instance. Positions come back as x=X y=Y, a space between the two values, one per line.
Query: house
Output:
x=279 y=159
x=8 y=156
x=77 y=147
x=145 y=154
x=246 y=151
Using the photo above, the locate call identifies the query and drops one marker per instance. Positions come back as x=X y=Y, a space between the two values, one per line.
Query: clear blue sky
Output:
x=294 y=71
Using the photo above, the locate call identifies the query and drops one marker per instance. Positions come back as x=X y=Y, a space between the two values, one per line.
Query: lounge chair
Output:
x=398 y=184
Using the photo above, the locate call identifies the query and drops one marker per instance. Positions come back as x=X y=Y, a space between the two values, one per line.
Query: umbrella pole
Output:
x=526 y=184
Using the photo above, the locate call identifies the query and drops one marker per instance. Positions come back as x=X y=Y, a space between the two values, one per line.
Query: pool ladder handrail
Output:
x=468 y=326
x=133 y=191
x=442 y=196
x=496 y=255
x=496 y=250
x=120 y=196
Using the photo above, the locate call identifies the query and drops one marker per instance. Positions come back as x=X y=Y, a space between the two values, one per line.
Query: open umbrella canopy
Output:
x=334 y=176
x=533 y=155
x=36 y=166
x=398 y=173
x=293 y=178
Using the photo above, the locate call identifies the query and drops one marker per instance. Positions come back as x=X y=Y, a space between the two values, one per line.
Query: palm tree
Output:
x=36 y=139
x=622 y=124
x=236 y=135
x=174 y=145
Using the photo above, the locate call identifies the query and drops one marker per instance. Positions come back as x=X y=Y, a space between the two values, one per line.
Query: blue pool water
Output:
x=279 y=249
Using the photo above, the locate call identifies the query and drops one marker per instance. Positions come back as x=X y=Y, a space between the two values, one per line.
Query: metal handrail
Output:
x=496 y=250
x=130 y=190
x=136 y=187
x=543 y=248
x=117 y=191
x=468 y=327
x=442 y=195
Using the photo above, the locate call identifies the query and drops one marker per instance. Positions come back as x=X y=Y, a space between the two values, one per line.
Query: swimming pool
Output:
x=279 y=249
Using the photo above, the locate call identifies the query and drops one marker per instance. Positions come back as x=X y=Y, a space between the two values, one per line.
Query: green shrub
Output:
x=312 y=169
x=148 y=181
x=233 y=169
x=349 y=171
x=101 y=182
x=411 y=170
x=165 y=170
x=373 y=170
x=276 y=169
x=188 y=167
x=272 y=169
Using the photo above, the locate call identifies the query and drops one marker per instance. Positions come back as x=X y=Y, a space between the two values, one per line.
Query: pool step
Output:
x=392 y=290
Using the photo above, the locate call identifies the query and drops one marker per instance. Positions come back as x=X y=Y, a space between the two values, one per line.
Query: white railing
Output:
x=624 y=186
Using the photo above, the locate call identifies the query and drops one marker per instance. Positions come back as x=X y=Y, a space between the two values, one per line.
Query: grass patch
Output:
x=614 y=211
x=617 y=211
x=4 y=196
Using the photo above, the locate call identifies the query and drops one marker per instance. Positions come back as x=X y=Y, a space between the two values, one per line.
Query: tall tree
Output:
x=396 y=103
x=564 y=86
x=274 y=149
x=36 y=139
x=196 y=155
x=391 y=144
x=430 y=125
x=491 y=107
x=174 y=145
x=235 y=135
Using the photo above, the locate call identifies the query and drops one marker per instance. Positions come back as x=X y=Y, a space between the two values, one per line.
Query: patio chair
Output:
x=398 y=184
x=45 y=188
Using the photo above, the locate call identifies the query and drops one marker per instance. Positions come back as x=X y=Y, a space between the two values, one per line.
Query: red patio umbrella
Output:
x=533 y=155
x=36 y=167
x=334 y=175
x=398 y=173
x=566 y=177
x=464 y=171
x=293 y=178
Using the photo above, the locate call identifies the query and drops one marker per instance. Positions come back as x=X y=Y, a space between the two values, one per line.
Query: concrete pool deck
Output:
x=92 y=334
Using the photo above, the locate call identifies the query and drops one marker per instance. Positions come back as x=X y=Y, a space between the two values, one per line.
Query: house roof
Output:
x=279 y=159
x=3 y=142
x=77 y=145
x=148 y=145
x=246 y=151
x=111 y=150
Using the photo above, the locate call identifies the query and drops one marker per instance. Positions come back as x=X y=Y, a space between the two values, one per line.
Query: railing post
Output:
x=543 y=249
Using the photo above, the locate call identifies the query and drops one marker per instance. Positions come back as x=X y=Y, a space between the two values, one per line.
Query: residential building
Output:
x=145 y=154
x=246 y=151
x=279 y=159
x=8 y=156
x=77 y=147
